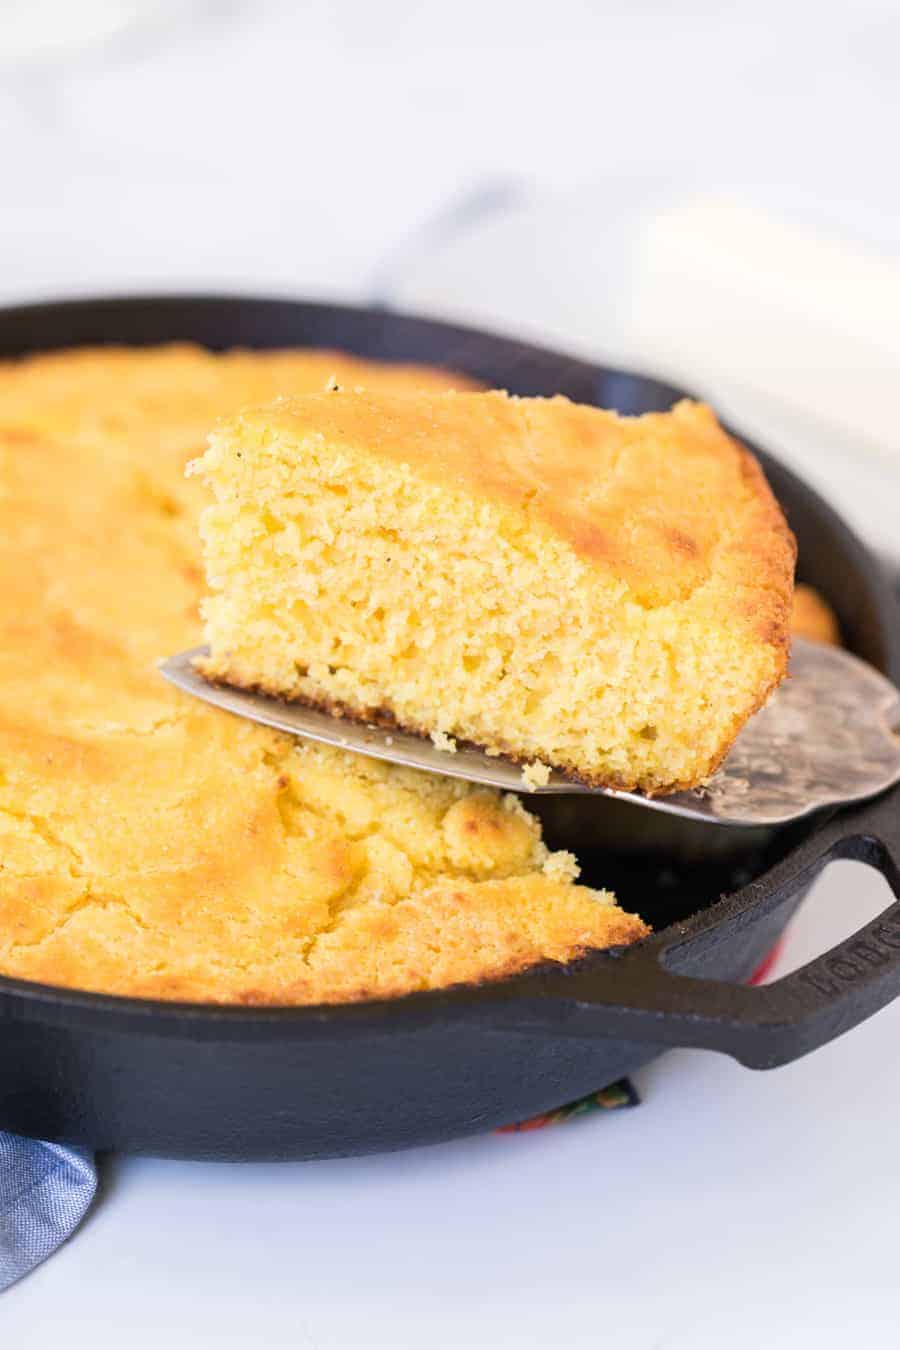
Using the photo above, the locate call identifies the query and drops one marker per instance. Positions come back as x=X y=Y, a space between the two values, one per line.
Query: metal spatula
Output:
x=830 y=734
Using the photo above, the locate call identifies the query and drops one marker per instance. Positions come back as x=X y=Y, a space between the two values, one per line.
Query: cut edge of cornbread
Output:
x=648 y=556
x=360 y=881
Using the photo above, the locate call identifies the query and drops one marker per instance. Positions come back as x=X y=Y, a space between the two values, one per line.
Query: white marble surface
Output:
x=298 y=149
x=283 y=145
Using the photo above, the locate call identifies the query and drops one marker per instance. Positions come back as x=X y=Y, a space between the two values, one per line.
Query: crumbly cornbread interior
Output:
x=152 y=846
x=607 y=595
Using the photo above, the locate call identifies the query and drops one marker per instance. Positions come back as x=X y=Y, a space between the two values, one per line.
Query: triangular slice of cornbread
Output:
x=607 y=595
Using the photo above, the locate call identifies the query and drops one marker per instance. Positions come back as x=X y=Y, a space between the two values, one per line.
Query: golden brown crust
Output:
x=581 y=472
x=477 y=948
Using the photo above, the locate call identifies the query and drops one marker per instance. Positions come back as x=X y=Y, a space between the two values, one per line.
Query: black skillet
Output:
x=231 y=1082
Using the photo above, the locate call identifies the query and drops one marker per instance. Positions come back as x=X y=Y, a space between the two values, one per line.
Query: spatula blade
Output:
x=827 y=736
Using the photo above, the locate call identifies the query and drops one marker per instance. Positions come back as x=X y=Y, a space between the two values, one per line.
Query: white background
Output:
x=300 y=149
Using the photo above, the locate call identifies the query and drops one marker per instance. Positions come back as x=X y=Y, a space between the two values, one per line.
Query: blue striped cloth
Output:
x=45 y=1192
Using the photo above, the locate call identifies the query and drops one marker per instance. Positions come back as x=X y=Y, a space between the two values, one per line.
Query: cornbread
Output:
x=607 y=595
x=813 y=617
x=152 y=846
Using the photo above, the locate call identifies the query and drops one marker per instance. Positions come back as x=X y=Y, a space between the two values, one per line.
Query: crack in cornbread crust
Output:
x=381 y=931
x=155 y=848
x=657 y=536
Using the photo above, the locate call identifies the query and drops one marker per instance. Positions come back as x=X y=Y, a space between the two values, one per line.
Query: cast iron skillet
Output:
x=231 y=1082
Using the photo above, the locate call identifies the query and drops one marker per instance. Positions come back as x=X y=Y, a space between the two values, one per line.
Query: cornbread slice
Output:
x=607 y=595
x=152 y=846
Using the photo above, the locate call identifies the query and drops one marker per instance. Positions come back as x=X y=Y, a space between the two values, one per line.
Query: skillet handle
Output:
x=639 y=996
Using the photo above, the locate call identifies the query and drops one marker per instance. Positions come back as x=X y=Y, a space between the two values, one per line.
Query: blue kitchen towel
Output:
x=45 y=1192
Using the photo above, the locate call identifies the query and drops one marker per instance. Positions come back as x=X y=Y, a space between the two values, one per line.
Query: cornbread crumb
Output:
x=561 y=866
x=535 y=775
x=607 y=595
x=442 y=741
x=152 y=846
